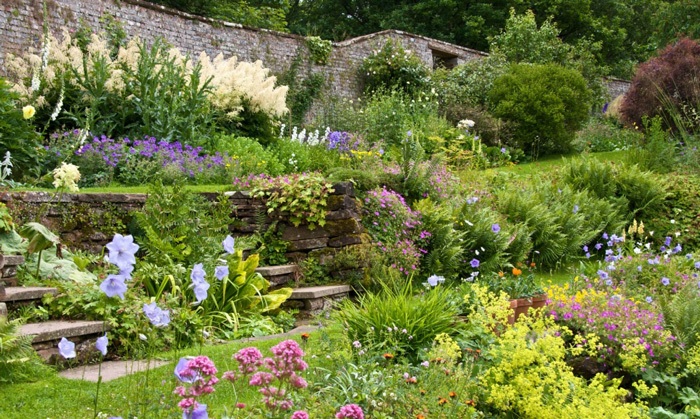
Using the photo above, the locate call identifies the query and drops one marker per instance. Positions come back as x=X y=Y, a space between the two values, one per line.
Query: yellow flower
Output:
x=28 y=111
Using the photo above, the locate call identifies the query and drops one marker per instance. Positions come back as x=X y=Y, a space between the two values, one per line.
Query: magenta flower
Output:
x=300 y=414
x=350 y=411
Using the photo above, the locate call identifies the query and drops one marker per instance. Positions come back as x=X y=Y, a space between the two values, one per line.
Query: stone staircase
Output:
x=310 y=301
x=47 y=334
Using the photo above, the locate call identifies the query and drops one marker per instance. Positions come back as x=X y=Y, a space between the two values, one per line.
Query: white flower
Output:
x=66 y=176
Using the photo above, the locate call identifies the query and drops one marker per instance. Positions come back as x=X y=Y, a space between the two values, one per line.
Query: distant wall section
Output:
x=21 y=23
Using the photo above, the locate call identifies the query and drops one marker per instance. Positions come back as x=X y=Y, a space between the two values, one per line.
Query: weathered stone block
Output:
x=344 y=227
x=343 y=188
x=301 y=232
x=308 y=244
x=343 y=241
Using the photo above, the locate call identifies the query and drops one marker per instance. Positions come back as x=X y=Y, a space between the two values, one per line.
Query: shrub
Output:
x=393 y=67
x=248 y=156
x=17 y=135
x=547 y=103
x=667 y=85
x=603 y=134
x=398 y=322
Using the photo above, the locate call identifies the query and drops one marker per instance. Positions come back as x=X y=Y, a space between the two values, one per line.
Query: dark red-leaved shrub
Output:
x=666 y=85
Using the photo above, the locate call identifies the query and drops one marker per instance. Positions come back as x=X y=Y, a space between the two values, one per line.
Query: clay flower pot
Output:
x=539 y=301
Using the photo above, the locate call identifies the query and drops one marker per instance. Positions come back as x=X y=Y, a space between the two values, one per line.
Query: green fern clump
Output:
x=180 y=226
x=18 y=360
x=627 y=187
x=444 y=249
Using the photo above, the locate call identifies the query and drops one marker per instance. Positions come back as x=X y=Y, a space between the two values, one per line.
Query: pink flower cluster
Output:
x=282 y=372
x=199 y=377
x=350 y=411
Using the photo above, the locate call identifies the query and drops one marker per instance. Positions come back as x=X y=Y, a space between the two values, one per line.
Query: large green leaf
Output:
x=40 y=238
x=274 y=299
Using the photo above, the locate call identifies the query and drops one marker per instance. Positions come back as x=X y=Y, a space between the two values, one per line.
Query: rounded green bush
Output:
x=547 y=104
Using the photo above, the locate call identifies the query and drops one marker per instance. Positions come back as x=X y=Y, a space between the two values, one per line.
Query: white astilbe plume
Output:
x=234 y=82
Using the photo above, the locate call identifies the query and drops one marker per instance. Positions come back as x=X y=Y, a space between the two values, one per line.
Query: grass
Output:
x=550 y=163
x=147 y=394
x=130 y=189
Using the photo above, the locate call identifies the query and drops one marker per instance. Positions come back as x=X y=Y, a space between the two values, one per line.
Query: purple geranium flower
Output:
x=114 y=285
x=474 y=263
x=665 y=281
x=495 y=228
x=122 y=250
x=66 y=348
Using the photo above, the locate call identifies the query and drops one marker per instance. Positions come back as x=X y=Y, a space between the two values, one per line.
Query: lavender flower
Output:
x=101 y=344
x=474 y=263
x=221 y=272
x=157 y=316
x=122 y=250
x=229 y=243
x=66 y=348
x=495 y=228
x=114 y=285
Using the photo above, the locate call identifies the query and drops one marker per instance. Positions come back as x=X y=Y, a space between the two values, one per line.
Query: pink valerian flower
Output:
x=199 y=377
x=249 y=359
x=300 y=414
x=281 y=377
x=350 y=411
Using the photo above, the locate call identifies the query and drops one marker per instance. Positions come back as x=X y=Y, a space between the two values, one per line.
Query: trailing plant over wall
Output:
x=302 y=196
x=303 y=91
x=319 y=49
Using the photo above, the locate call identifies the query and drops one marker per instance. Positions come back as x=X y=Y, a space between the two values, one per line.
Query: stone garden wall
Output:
x=21 y=27
x=88 y=221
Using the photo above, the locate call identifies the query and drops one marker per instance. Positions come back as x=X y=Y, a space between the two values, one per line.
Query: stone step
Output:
x=16 y=294
x=310 y=293
x=279 y=274
x=311 y=301
x=54 y=330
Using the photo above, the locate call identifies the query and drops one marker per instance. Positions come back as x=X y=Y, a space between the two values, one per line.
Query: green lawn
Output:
x=148 y=394
x=550 y=163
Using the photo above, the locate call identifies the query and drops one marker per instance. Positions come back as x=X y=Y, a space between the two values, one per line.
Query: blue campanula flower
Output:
x=157 y=316
x=229 y=243
x=474 y=263
x=114 y=285
x=433 y=280
x=221 y=272
x=101 y=344
x=495 y=228
x=66 y=348
x=122 y=250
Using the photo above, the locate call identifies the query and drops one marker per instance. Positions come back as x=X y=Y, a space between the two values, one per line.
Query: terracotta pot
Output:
x=539 y=301
x=513 y=308
x=524 y=305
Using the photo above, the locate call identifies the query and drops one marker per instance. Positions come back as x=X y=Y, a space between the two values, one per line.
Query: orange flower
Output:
x=422 y=392
x=453 y=394
x=419 y=416
x=517 y=271
x=470 y=403
x=388 y=356
x=304 y=337
x=533 y=264
x=442 y=400
x=500 y=274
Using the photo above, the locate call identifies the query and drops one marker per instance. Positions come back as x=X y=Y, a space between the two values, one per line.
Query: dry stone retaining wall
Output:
x=88 y=221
